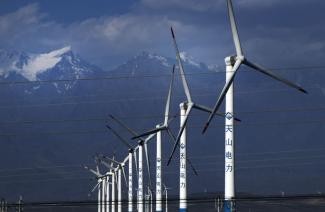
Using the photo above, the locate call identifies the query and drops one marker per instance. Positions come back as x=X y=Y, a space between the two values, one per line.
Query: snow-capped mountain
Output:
x=29 y=65
x=55 y=65
x=62 y=64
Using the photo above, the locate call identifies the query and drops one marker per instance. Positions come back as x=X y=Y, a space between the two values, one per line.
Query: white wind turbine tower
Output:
x=232 y=66
x=132 y=153
x=141 y=143
x=104 y=188
x=111 y=172
x=185 y=109
x=119 y=169
x=148 y=198
x=100 y=185
x=166 y=197
x=158 y=130
x=113 y=183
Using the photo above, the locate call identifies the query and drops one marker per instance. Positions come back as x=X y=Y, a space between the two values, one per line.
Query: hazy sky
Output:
x=108 y=32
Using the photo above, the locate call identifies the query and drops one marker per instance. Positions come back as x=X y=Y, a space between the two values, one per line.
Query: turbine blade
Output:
x=125 y=142
x=92 y=171
x=234 y=29
x=106 y=175
x=149 y=138
x=152 y=131
x=97 y=169
x=171 y=134
x=97 y=185
x=106 y=164
x=223 y=94
x=111 y=160
x=188 y=160
x=123 y=171
x=112 y=164
x=172 y=118
x=136 y=163
x=132 y=132
x=274 y=76
x=206 y=109
x=169 y=97
x=180 y=65
x=209 y=110
x=148 y=162
x=192 y=167
x=190 y=106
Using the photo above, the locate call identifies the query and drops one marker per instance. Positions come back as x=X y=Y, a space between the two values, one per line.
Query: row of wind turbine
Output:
x=233 y=64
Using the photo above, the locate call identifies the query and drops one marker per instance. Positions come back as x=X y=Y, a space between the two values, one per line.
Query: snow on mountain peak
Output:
x=40 y=63
x=162 y=59
x=188 y=59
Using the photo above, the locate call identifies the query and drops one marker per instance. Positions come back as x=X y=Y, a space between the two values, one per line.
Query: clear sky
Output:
x=108 y=32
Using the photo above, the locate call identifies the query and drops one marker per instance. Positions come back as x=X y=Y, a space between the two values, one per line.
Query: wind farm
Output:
x=193 y=127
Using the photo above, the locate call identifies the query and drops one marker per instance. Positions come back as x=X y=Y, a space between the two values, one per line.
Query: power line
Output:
x=47 y=180
x=301 y=68
x=262 y=160
x=260 y=153
x=267 y=199
x=209 y=170
x=126 y=100
x=253 y=167
x=42 y=174
x=41 y=167
x=195 y=164
x=91 y=119
x=288 y=123
x=37 y=168
x=206 y=90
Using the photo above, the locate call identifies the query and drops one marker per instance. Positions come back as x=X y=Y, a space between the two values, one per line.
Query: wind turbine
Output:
x=185 y=110
x=120 y=170
x=148 y=198
x=132 y=153
x=100 y=185
x=113 y=183
x=158 y=130
x=166 y=196
x=141 y=143
x=104 y=188
x=233 y=64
